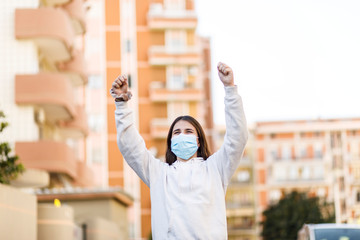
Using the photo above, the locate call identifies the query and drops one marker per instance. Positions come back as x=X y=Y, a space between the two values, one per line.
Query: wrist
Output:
x=229 y=84
x=124 y=97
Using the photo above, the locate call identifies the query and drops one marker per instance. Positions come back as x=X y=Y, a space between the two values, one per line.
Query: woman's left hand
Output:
x=225 y=74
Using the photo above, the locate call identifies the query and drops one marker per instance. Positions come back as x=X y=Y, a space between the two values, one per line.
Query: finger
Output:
x=118 y=83
x=226 y=70
x=115 y=85
x=222 y=68
x=123 y=78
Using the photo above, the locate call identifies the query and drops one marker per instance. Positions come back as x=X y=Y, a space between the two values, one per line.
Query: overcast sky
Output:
x=292 y=59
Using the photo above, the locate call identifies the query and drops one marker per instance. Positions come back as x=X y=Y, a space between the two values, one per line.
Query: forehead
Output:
x=182 y=124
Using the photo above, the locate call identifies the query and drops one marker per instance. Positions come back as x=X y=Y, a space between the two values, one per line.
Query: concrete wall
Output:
x=18 y=217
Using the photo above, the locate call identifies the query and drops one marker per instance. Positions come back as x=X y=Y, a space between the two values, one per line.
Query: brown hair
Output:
x=203 y=151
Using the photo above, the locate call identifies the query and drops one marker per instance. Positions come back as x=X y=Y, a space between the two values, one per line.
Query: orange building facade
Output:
x=168 y=65
x=319 y=157
x=43 y=88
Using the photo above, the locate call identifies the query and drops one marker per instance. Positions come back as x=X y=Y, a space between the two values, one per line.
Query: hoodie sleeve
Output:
x=132 y=145
x=227 y=158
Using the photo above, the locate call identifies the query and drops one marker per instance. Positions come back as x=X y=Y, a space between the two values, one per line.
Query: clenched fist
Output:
x=119 y=89
x=225 y=74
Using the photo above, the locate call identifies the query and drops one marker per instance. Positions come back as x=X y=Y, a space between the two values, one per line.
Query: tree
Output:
x=284 y=219
x=9 y=169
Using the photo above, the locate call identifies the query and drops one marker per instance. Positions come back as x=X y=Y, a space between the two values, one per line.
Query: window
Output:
x=318 y=150
x=358 y=196
x=176 y=77
x=305 y=172
x=95 y=81
x=286 y=152
x=293 y=173
x=354 y=149
x=175 y=5
x=175 y=40
x=243 y=176
x=274 y=196
x=318 y=172
x=96 y=122
x=356 y=173
x=280 y=173
x=303 y=151
x=274 y=153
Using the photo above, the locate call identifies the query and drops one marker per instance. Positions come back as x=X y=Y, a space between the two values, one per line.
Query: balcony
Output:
x=52 y=92
x=162 y=55
x=85 y=175
x=77 y=128
x=160 y=19
x=75 y=69
x=49 y=28
x=54 y=3
x=159 y=93
x=47 y=155
x=77 y=13
x=159 y=128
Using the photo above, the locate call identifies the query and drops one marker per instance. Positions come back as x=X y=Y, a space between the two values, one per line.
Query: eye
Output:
x=190 y=131
x=176 y=132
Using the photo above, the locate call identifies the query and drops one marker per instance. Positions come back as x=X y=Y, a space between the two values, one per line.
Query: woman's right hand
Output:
x=119 y=89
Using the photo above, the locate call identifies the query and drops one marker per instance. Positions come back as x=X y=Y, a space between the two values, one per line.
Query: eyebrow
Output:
x=186 y=129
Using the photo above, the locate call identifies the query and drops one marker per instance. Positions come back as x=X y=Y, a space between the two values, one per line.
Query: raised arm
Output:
x=227 y=158
x=129 y=141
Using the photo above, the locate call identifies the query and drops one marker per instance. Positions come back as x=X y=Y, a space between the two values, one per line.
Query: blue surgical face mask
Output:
x=184 y=146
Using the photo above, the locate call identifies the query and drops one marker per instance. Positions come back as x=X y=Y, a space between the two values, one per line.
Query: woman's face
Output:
x=183 y=127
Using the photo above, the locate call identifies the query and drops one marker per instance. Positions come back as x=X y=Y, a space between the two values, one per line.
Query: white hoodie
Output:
x=187 y=198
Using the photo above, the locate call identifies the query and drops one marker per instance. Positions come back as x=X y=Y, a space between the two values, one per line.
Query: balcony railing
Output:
x=159 y=128
x=55 y=2
x=77 y=128
x=77 y=13
x=75 y=69
x=163 y=55
x=52 y=92
x=49 y=28
x=159 y=18
x=50 y=156
x=159 y=93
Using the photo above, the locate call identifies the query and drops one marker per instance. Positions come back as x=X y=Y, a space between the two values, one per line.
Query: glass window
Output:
x=274 y=195
x=95 y=81
x=318 y=150
x=286 y=152
x=305 y=172
x=293 y=173
x=303 y=151
x=358 y=196
x=337 y=234
x=318 y=172
x=280 y=173
x=175 y=5
x=175 y=40
x=176 y=77
x=243 y=176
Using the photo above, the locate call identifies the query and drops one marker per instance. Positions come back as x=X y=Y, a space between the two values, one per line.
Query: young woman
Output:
x=188 y=190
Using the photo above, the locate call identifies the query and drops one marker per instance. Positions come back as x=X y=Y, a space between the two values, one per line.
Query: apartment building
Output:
x=45 y=96
x=319 y=157
x=168 y=66
x=240 y=201
x=42 y=88
x=240 y=195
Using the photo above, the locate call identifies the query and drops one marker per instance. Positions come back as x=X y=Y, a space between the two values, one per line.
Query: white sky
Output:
x=292 y=59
